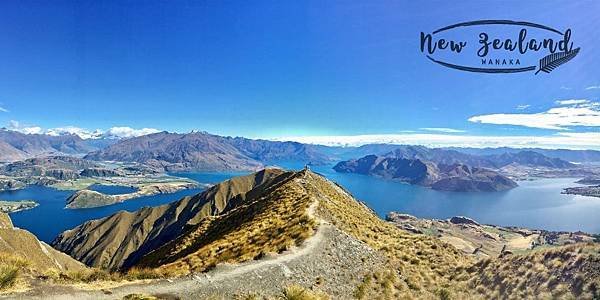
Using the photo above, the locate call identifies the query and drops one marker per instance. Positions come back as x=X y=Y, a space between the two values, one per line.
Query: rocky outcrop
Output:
x=61 y=174
x=463 y=220
x=9 y=184
x=100 y=172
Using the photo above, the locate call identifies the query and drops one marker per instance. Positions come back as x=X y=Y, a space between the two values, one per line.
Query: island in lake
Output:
x=590 y=191
x=14 y=206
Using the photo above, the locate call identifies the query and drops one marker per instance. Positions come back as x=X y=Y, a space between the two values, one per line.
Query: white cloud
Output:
x=572 y=101
x=522 y=106
x=442 y=129
x=113 y=132
x=593 y=87
x=570 y=113
x=81 y=132
x=583 y=140
x=127 y=132
x=2 y=109
x=565 y=88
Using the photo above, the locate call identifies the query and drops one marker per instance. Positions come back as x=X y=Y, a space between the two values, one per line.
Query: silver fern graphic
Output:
x=550 y=62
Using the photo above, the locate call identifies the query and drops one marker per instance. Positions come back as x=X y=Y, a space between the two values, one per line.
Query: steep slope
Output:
x=120 y=240
x=568 y=272
x=15 y=145
x=10 y=153
x=37 y=255
x=455 y=177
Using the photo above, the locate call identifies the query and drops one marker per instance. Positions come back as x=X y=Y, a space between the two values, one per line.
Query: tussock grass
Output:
x=11 y=266
x=418 y=265
x=8 y=276
x=92 y=275
x=275 y=222
x=571 y=271
x=296 y=292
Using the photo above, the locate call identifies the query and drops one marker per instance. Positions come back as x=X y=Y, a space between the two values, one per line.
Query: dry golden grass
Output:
x=11 y=267
x=562 y=272
x=418 y=265
x=273 y=222
x=296 y=292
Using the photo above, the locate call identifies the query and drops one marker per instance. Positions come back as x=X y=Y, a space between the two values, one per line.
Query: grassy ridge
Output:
x=275 y=221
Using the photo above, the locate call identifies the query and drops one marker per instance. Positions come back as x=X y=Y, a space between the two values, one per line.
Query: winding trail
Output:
x=329 y=254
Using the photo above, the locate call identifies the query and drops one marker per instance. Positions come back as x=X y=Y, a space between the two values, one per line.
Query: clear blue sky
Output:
x=273 y=68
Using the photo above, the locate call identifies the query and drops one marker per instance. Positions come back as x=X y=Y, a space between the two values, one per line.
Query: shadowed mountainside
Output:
x=120 y=240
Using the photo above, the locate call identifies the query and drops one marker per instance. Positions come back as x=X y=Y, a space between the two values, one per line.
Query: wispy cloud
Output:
x=523 y=106
x=127 y=132
x=2 y=109
x=565 y=88
x=442 y=129
x=593 y=87
x=569 y=113
x=566 y=140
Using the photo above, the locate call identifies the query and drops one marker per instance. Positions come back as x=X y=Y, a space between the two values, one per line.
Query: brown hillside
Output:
x=38 y=254
x=118 y=241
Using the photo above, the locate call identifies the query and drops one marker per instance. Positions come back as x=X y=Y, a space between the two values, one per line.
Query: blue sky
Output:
x=283 y=69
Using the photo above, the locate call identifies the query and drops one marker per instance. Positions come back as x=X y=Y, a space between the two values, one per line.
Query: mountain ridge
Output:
x=204 y=151
x=455 y=177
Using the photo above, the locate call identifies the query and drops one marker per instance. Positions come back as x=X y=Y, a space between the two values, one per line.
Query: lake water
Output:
x=51 y=218
x=112 y=189
x=534 y=204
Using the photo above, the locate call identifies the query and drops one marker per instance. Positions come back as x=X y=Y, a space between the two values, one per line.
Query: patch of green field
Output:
x=79 y=184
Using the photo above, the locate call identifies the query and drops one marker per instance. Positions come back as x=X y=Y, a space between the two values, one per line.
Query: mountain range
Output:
x=17 y=146
x=204 y=151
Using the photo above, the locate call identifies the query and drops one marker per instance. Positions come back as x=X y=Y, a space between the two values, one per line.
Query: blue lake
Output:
x=51 y=218
x=112 y=189
x=534 y=204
